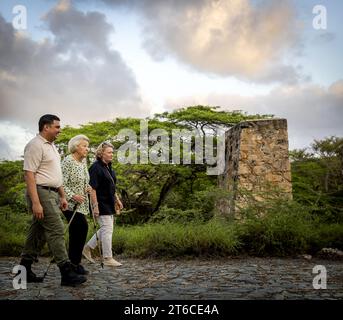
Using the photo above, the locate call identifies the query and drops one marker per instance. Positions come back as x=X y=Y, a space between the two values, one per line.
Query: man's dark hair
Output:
x=46 y=119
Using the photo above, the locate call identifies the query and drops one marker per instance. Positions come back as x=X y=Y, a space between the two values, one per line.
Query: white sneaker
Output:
x=87 y=253
x=111 y=262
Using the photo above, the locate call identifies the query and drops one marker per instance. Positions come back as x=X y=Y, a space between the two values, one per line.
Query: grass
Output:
x=172 y=240
x=285 y=229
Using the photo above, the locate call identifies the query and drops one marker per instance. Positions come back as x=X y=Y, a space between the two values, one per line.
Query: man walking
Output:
x=45 y=197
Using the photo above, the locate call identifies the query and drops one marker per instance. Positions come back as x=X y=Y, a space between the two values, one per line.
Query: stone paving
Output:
x=235 y=278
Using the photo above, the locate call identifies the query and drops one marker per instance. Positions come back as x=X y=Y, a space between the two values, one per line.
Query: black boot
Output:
x=69 y=276
x=30 y=275
x=79 y=269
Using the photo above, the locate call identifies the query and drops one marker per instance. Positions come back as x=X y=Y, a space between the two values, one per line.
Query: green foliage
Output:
x=205 y=200
x=317 y=178
x=12 y=186
x=13 y=228
x=279 y=226
x=198 y=206
x=327 y=236
x=99 y=132
x=172 y=207
x=144 y=188
x=206 y=117
x=16 y=197
x=168 y=215
x=173 y=240
x=285 y=228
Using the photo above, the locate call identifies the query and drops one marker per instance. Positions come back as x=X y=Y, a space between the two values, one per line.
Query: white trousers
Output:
x=104 y=235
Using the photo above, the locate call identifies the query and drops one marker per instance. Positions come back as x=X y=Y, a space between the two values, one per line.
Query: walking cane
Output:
x=65 y=232
x=96 y=234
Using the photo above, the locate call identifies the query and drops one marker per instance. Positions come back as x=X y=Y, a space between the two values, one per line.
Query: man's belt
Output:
x=48 y=188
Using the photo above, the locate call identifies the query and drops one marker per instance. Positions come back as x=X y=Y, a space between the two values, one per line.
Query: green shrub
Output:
x=13 y=228
x=201 y=207
x=172 y=240
x=16 y=197
x=275 y=228
x=168 y=215
x=285 y=228
x=327 y=235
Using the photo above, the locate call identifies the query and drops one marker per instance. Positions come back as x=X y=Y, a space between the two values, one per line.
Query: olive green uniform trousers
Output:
x=50 y=229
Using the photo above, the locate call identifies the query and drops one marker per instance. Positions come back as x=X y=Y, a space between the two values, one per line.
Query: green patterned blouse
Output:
x=75 y=181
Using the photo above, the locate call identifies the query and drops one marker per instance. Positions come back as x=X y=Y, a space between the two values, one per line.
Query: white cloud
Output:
x=13 y=139
x=312 y=111
x=79 y=76
x=74 y=74
x=228 y=38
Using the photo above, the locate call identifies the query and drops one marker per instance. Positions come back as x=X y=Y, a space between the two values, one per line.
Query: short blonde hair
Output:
x=75 y=141
x=101 y=148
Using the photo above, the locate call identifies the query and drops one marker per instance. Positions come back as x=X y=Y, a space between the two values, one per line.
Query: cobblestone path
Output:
x=185 y=279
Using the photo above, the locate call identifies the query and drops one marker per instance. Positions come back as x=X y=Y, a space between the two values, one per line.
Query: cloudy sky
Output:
x=97 y=60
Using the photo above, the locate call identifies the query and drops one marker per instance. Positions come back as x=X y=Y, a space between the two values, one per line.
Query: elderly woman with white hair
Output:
x=76 y=186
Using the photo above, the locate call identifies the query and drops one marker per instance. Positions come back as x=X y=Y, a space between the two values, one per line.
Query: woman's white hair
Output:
x=75 y=141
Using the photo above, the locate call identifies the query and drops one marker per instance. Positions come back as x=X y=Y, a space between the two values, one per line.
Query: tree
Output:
x=317 y=177
x=205 y=118
x=330 y=153
x=145 y=187
x=12 y=186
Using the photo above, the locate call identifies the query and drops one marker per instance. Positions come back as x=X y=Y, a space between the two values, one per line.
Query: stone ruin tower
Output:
x=256 y=160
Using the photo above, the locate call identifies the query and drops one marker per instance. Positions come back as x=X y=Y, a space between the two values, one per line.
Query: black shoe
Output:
x=30 y=275
x=32 y=278
x=70 y=277
x=79 y=269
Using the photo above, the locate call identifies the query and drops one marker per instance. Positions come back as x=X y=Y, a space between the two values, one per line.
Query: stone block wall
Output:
x=256 y=159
